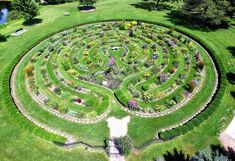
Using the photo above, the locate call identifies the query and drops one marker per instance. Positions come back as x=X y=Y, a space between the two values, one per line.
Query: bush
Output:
x=14 y=15
x=87 y=2
x=201 y=64
x=28 y=69
x=191 y=86
x=124 y=145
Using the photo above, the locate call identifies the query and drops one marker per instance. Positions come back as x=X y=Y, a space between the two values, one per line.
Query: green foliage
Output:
x=87 y=2
x=57 y=1
x=27 y=8
x=207 y=12
x=14 y=15
x=159 y=2
x=124 y=145
x=209 y=154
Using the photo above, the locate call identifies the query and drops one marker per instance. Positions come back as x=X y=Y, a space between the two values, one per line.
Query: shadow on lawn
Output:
x=151 y=6
x=232 y=94
x=32 y=22
x=3 y=38
x=180 y=156
x=86 y=8
x=176 y=156
x=232 y=50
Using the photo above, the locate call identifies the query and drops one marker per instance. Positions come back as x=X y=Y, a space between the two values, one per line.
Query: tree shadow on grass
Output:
x=232 y=50
x=231 y=77
x=232 y=94
x=32 y=22
x=176 y=156
x=3 y=38
x=151 y=6
x=86 y=8
x=177 y=19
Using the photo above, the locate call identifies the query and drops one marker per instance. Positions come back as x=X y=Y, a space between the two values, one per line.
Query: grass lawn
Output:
x=18 y=144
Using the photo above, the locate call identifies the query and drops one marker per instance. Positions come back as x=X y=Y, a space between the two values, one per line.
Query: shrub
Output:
x=132 y=103
x=201 y=64
x=124 y=145
x=87 y=2
x=191 y=86
x=66 y=66
x=172 y=70
x=28 y=69
x=51 y=48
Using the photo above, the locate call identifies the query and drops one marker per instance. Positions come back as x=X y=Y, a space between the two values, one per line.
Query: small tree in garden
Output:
x=172 y=70
x=124 y=145
x=201 y=64
x=28 y=8
x=87 y=2
x=28 y=69
x=191 y=86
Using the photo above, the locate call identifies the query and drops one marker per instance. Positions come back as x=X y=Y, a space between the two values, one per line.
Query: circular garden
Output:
x=145 y=69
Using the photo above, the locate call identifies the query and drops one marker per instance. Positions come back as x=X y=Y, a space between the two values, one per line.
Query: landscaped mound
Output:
x=150 y=69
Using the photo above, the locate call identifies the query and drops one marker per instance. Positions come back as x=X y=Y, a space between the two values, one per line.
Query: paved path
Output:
x=228 y=136
x=118 y=128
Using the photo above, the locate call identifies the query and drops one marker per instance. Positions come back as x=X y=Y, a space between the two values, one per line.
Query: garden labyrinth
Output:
x=146 y=69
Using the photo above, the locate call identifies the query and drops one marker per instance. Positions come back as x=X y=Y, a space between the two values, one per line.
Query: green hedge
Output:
x=121 y=97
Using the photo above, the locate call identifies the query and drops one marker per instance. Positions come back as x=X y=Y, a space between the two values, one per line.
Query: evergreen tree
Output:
x=209 y=155
x=158 y=3
x=207 y=12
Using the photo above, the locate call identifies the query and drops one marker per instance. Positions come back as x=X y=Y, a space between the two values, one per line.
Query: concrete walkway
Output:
x=118 y=128
x=227 y=137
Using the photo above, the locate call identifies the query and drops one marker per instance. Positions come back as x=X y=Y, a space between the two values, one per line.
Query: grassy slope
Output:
x=21 y=144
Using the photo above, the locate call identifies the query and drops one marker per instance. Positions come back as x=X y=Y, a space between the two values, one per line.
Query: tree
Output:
x=158 y=3
x=124 y=144
x=87 y=2
x=208 y=12
x=56 y=1
x=28 y=8
x=208 y=154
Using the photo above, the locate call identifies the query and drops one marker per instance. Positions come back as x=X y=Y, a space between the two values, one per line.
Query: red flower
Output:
x=79 y=100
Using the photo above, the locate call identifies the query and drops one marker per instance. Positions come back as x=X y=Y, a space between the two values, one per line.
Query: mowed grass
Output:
x=18 y=144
